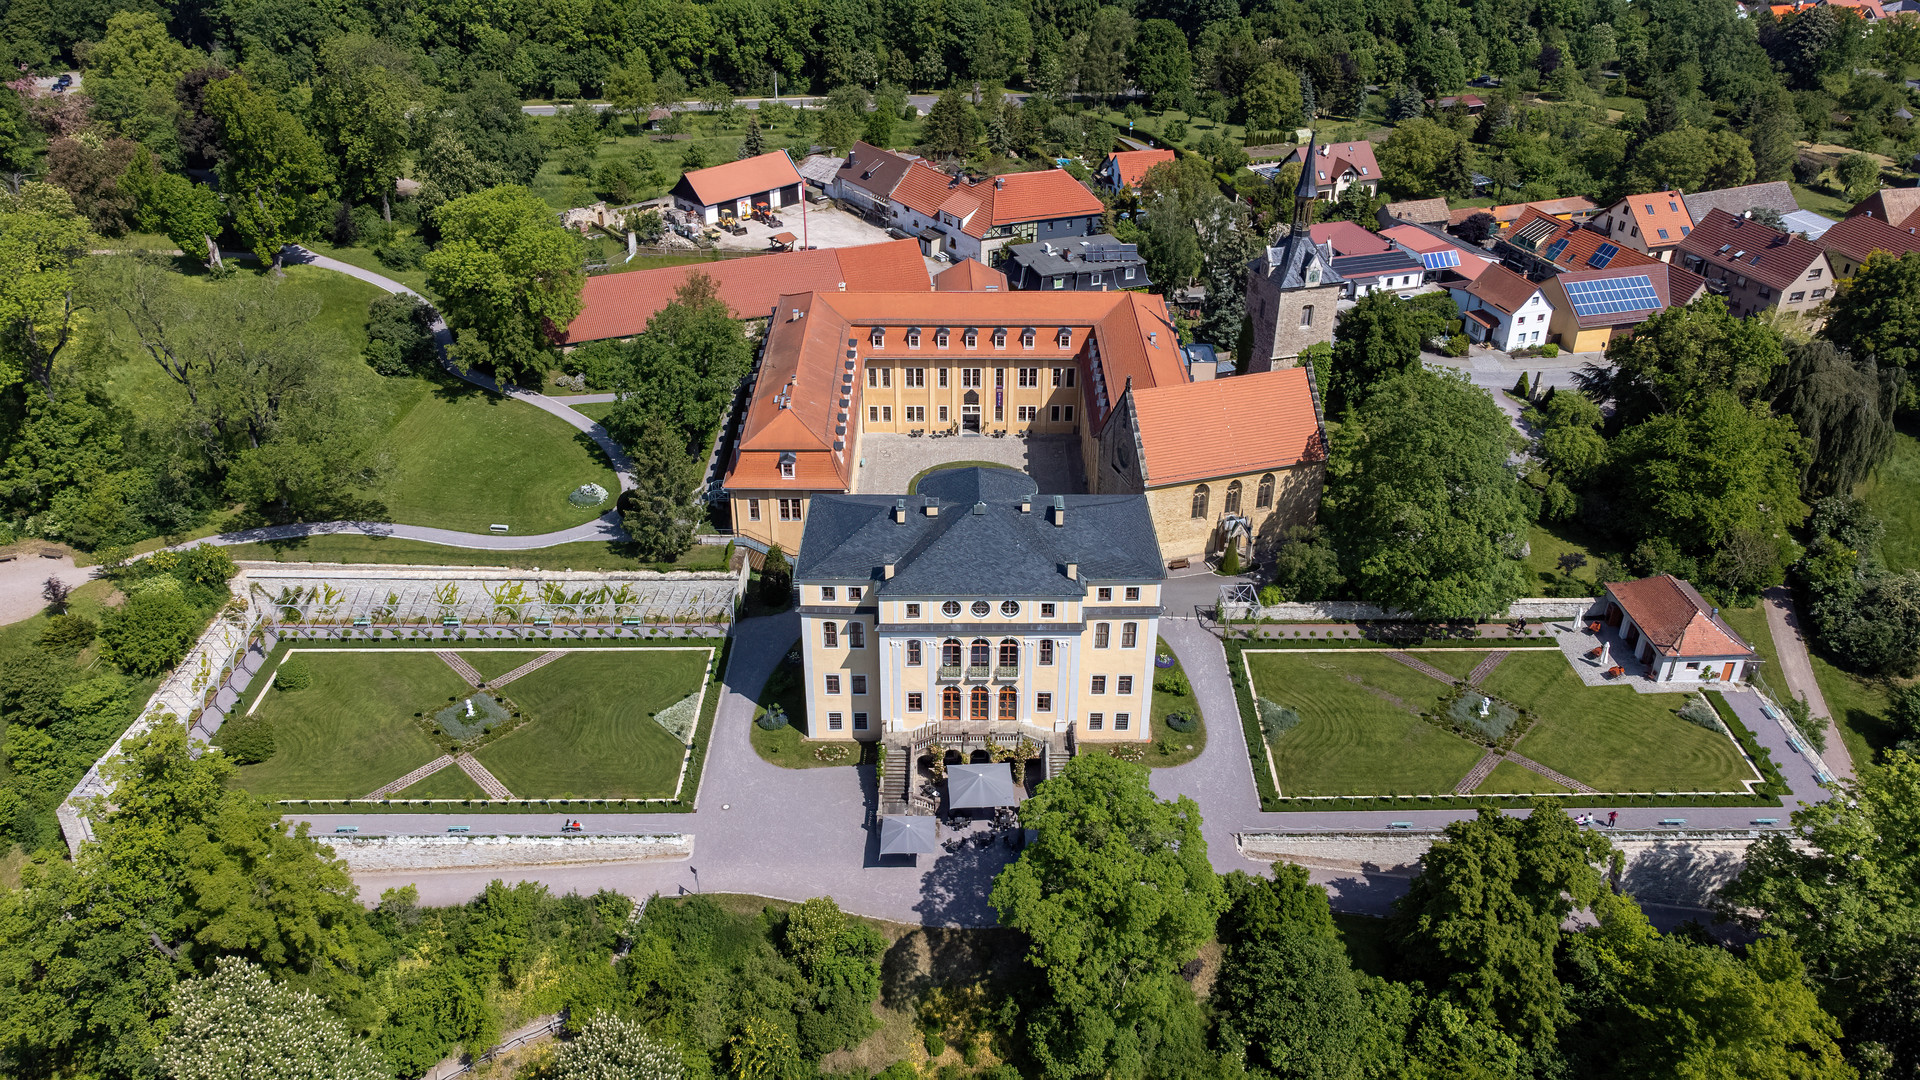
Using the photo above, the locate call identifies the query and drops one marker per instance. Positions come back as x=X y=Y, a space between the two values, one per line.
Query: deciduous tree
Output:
x=42 y=239
x=238 y=1024
x=278 y=184
x=1844 y=407
x=1877 y=311
x=1680 y=357
x=365 y=103
x=510 y=275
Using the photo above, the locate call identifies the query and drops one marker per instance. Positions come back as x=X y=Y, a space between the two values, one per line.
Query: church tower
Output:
x=1292 y=288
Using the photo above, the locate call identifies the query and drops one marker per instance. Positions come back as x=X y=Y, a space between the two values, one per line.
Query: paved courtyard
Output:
x=824 y=227
x=889 y=462
x=1576 y=641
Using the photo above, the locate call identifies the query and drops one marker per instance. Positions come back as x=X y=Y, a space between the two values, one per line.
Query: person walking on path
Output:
x=1612 y=816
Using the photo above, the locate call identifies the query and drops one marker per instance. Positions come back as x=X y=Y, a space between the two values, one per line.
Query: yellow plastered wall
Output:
x=1296 y=501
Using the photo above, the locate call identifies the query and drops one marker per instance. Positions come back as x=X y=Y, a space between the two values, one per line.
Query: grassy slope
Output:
x=1859 y=708
x=1891 y=495
x=595 y=410
x=586 y=555
x=1510 y=779
x=1613 y=737
x=352 y=730
x=592 y=734
x=1351 y=741
x=464 y=459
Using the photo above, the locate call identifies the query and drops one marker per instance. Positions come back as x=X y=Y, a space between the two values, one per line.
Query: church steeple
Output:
x=1307 y=192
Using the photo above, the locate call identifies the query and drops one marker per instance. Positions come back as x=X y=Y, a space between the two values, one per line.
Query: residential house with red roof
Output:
x=1757 y=268
x=1593 y=305
x=1575 y=208
x=961 y=219
x=1665 y=624
x=619 y=305
x=1442 y=257
x=1651 y=224
x=1848 y=243
x=1123 y=170
x=736 y=186
x=1893 y=205
x=1503 y=310
x=969 y=275
x=1104 y=367
x=1339 y=166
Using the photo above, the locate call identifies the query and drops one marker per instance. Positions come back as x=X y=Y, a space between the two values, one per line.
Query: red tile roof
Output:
x=1349 y=239
x=804 y=372
x=1675 y=618
x=1859 y=237
x=1657 y=210
x=1227 y=427
x=1892 y=205
x=739 y=179
x=1130 y=166
x=1005 y=200
x=1744 y=246
x=619 y=305
x=970 y=275
x=1330 y=160
x=1573 y=206
x=1501 y=288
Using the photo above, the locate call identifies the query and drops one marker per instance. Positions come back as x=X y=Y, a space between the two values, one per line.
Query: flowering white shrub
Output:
x=238 y=1024
x=680 y=717
x=609 y=1048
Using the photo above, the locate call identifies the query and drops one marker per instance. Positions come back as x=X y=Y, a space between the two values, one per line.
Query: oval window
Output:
x=982 y=609
x=1009 y=608
x=950 y=608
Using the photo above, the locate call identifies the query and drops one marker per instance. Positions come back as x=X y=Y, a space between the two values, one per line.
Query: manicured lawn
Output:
x=591 y=732
x=1612 y=737
x=353 y=730
x=785 y=746
x=1186 y=745
x=1893 y=493
x=1549 y=541
x=465 y=459
x=1510 y=779
x=1458 y=663
x=913 y=485
x=586 y=555
x=451 y=782
x=595 y=410
x=1859 y=709
x=365 y=260
x=1351 y=740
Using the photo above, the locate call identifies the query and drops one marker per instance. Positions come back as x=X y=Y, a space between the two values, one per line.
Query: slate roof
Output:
x=1676 y=619
x=738 y=179
x=1751 y=249
x=1773 y=195
x=1069 y=256
x=872 y=169
x=979 y=542
x=619 y=305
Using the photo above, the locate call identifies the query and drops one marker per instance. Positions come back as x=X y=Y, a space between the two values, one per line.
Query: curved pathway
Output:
x=605 y=527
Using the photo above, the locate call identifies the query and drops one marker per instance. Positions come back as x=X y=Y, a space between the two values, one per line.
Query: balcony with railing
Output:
x=1006 y=673
x=977 y=672
x=948 y=673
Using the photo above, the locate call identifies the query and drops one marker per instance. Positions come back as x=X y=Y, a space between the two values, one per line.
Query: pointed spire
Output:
x=1307 y=192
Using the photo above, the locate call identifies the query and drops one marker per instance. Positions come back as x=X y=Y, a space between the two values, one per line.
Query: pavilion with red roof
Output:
x=1664 y=623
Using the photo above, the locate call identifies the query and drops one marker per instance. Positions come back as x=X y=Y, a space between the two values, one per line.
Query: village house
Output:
x=1893 y=205
x=1848 y=243
x=1123 y=170
x=1651 y=224
x=1755 y=267
x=1774 y=195
x=1593 y=306
x=1338 y=166
x=736 y=187
x=1098 y=263
x=1503 y=310
x=959 y=218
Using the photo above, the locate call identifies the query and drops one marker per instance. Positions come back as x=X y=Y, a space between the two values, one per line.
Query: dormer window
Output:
x=972 y=337
x=879 y=337
x=940 y=338
x=913 y=338
x=1000 y=338
x=787 y=461
x=1065 y=337
x=1026 y=338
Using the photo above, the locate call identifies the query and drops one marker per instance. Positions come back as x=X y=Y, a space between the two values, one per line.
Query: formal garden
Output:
x=1473 y=723
x=514 y=725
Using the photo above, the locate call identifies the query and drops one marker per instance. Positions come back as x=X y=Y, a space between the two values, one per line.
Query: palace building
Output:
x=975 y=608
x=1104 y=369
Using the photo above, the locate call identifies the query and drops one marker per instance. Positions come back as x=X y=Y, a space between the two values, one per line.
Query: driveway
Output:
x=888 y=463
x=1497 y=372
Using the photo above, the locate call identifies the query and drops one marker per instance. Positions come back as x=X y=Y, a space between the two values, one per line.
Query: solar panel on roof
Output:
x=1440 y=260
x=1603 y=255
x=1611 y=296
x=1554 y=249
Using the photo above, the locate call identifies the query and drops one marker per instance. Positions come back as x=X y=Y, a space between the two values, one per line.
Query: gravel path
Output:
x=487 y=781
x=1422 y=667
x=411 y=778
x=527 y=668
x=460 y=667
x=1783 y=622
x=22 y=578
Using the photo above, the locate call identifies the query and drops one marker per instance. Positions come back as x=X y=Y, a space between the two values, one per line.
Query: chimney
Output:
x=1073 y=571
x=999 y=182
x=843 y=286
x=899 y=518
x=1026 y=506
x=979 y=509
x=887 y=571
x=1060 y=513
x=795 y=315
x=931 y=508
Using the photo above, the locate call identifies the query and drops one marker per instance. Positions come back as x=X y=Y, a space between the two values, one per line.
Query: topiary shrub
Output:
x=1185 y=721
x=294 y=675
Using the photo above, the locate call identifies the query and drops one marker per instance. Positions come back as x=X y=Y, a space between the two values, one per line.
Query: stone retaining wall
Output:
x=1533 y=609
x=1681 y=868
x=338 y=594
x=370 y=853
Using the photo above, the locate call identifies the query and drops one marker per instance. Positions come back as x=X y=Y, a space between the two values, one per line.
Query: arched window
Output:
x=982 y=653
x=1009 y=703
x=856 y=635
x=982 y=703
x=1200 y=501
x=1009 y=653
x=1233 y=497
x=913 y=653
x=950 y=653
x=950 y=703
x=1263 y=497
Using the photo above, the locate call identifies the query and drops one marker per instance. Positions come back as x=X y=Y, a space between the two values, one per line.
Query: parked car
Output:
x=62 y=84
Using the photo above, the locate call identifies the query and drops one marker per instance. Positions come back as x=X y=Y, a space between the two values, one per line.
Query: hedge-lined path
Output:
x=1557 y=777
x=527 y=668
x=1421 y=666
x=1485 y=667
x=488 y=783
x=461 y=668
x=1479 y=773
x=412 y=778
